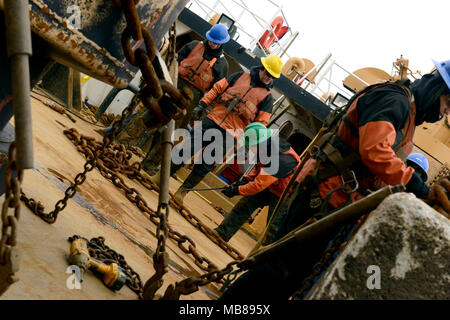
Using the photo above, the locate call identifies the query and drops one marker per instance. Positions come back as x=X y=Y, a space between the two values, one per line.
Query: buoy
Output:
x=268 y=38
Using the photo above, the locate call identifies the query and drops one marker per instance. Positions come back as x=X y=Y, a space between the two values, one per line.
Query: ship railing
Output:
x=279 y=47
x=322 y=81
x=325 y=81
x=325 y=77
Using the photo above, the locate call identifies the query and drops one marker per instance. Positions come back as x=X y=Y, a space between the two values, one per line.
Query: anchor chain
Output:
x=155 y=94
x=94 y=154
x=192 y=284
x=439 y=197
x=160 y=257
x=115 y=161
x=170 y=58
x=9 y=255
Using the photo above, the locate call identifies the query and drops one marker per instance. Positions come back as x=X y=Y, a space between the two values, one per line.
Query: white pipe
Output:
x=318 y=70
x=291 y=41
x=199 y=3
x=329 y=78
x=213 y=11
x=355 y=76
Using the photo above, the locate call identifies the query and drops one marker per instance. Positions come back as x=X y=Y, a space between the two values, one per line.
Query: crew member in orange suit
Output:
x=369 y=148
x=250 y=95
x=262 y=186
x=201 y=64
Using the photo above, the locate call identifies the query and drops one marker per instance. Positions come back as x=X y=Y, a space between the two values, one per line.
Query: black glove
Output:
x=231 y=191
x=197 y=112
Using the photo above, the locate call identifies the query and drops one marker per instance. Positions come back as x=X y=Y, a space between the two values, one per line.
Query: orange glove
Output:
x=438 y=197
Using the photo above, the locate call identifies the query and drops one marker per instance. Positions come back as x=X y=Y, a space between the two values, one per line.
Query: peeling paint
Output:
x=55 y=33
x=55 y=29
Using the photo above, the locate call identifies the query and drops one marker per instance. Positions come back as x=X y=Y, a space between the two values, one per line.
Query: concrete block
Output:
x=401 y=252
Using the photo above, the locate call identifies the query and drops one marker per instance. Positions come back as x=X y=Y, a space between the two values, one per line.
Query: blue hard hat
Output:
x=218 y=34
x=420 y=160
x=444 y=70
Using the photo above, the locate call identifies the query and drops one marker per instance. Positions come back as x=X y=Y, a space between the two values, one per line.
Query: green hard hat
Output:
x=255 y=133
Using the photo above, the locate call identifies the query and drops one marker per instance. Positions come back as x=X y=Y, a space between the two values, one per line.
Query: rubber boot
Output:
x=155 y=178
x=129 y=135
x=191 y=181
x=236 y=218
x=229 y=226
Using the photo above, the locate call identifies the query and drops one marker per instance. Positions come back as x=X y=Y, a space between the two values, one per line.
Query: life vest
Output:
x=245 y=110
x=403 y=145
x=196 y=70
x=278 y=187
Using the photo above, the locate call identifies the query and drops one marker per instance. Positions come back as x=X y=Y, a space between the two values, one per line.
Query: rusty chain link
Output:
x=94 y=153
x=192 y=284
x=156 y=92
x=444 y=170
x=161 y=256
x=170 y=57
x=131 y=16
x=100 y=251
x=10 y=256
x=439 y=196
x=115 y=160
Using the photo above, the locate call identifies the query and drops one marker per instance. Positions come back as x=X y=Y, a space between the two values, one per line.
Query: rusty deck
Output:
x=98 y=209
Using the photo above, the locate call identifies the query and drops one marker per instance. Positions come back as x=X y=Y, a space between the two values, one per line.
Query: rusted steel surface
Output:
x=95 y=47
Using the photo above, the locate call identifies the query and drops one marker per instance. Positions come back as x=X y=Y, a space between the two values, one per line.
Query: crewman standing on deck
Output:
x=240 y=99
x=262 y=186
x=200 y=65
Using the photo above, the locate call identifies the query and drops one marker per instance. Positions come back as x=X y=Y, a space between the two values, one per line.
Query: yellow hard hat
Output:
x=273 y=65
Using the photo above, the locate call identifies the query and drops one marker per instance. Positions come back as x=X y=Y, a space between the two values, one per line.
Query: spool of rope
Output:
x=293 y=66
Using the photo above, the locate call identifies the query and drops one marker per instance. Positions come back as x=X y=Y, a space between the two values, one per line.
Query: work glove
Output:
x=197 y=112
x=438 y=197
x=231 y=191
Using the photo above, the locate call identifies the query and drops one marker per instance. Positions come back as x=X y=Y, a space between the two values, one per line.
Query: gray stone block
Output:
x=404 y=239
